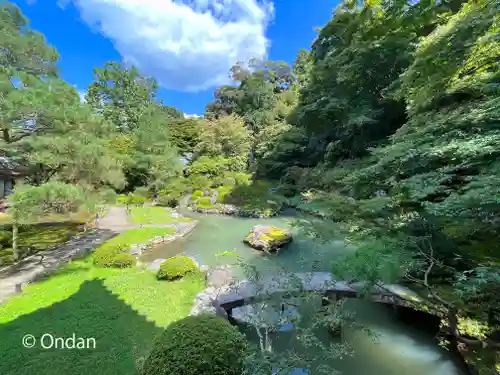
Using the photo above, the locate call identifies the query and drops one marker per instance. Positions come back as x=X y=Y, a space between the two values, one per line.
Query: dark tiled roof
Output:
x=9 y=166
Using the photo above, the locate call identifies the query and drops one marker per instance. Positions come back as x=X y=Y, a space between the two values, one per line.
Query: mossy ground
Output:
x=35 y=238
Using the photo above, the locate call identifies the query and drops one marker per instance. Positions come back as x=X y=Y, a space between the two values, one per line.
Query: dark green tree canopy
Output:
x=121 y=94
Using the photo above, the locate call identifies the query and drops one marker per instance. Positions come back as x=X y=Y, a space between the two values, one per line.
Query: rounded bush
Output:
x=203 y=344
x=196 y=194
x=143 y=192
x=204 y=202
x=113 y=257
x=122 y=260
x=224 y=191
x=242 y=178
x=176 y=267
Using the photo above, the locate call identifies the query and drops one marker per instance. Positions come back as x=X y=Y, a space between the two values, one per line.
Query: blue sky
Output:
x=188 y=45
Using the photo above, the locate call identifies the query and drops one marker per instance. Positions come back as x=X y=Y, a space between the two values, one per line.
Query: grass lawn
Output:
x=35 y=238
x=122 y=309
x=137 y=236
x=154 y=215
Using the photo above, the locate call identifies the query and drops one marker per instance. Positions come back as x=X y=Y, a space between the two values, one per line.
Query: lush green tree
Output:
x=126 y=99
x=27 y=72
x=121 y=94
x=75 y=149
x=424 y=206
x=44 y=126
x=185 y=134
x=172 y=112
x=225 y=103
x=302 y=67
x=155 y=157
x=226 y=137
x=29 y=203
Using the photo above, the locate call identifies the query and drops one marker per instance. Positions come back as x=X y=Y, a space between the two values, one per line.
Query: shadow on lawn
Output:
x=123 y=337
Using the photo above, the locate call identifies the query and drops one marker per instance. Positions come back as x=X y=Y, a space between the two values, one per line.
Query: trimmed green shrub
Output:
x=122 y=260
x=131 y=199
x=176 y=267
x=224 y=191
x=173 y=192
x=204 y=202
x=143 y=191
x=228 y=180
x=195 y=345
x=200 y=182
x=196 y=194
x=113 y=256
x=242 y=178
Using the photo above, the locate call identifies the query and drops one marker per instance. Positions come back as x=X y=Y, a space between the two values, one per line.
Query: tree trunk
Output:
x=15 y=231
x=6 y=135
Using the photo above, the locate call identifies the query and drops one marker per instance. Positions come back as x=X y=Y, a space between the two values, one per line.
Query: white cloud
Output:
x=188 y=45
x=191 y=116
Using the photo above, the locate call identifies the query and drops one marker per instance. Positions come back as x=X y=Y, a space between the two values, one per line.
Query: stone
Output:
x=155 y=265
x=268 y=238
x=219 y=276
x=214 y=197
x=135 y=249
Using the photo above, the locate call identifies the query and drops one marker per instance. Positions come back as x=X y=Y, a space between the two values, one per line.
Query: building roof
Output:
x=8 y=166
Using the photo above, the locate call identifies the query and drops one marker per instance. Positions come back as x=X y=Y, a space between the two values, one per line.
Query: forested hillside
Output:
x=393 y=120
x=390 y=124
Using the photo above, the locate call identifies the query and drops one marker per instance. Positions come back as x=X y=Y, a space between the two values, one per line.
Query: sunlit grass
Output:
x=154 y=215
x=122 y=309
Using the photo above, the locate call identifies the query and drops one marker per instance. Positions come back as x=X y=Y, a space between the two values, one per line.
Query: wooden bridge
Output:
x=237 y=294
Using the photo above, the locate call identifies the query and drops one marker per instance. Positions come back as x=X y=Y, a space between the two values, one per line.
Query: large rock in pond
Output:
x=267 y=238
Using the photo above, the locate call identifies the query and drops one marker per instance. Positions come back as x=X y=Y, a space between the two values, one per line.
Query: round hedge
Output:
x=113 y=256
x=196 y=194
x=176 y=267
x=196 y=345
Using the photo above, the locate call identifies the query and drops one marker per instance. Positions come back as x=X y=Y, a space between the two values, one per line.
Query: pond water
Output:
x=397 y=349
x=216 y=234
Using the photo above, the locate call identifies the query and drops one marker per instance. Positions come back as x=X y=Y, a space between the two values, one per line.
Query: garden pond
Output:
x=390 y=348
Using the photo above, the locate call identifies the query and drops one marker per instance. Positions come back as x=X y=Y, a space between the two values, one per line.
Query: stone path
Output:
x=15 y=277
x=116 y=220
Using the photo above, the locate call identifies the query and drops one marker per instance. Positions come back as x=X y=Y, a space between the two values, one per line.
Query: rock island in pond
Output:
x=268 y=238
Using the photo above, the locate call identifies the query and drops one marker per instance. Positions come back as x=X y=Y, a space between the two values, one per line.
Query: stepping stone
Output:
x=155 y=265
